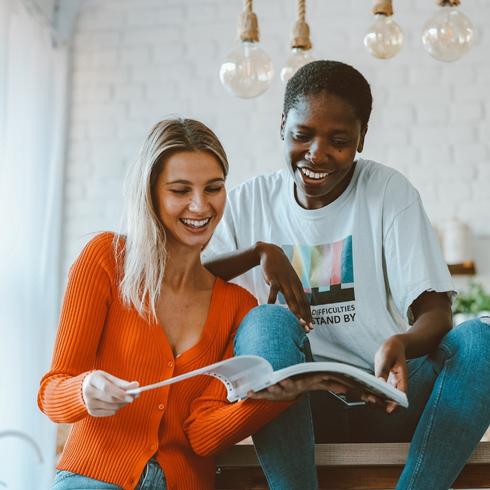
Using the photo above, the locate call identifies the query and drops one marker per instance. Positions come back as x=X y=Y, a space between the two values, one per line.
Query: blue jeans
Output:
x=449 y=395
x=152 y=478
x=285 y=447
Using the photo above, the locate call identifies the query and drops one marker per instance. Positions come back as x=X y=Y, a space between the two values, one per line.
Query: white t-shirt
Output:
x=362 y=260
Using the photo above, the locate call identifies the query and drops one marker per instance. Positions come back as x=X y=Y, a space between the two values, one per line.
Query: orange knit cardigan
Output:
x=184 y=424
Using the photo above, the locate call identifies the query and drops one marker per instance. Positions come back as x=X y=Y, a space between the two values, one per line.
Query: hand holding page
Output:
x=242 y=374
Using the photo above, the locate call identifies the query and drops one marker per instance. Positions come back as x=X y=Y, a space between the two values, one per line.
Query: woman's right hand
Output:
x=104 y=394
x=280 y=275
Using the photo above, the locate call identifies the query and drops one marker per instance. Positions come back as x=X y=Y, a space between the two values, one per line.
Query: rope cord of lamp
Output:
x=300 y=45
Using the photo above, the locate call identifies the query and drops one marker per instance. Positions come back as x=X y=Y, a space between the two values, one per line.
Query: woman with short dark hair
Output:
x=345 y=243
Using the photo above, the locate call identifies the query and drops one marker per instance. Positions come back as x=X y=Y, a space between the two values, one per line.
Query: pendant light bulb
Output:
x=297 y=58
x=247 y=71
x=384 y=37
x=448 y=34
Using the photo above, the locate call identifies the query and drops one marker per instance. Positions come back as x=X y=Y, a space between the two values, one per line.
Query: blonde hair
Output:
x=144 y=251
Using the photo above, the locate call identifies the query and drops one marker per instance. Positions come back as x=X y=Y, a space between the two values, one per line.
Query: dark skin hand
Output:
x=277 y=271
x=433 y=320
x=279 y=275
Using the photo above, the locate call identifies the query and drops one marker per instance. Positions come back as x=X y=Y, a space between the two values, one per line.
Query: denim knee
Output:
x=470 y=341
x=273 y=332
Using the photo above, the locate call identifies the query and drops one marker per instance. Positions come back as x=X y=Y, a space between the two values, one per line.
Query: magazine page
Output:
x=244 y=373
x=238 y=374
x=352 y=375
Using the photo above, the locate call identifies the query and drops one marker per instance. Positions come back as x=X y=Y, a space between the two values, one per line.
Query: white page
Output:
x=238 y=374
x=242 y=374
x=361 y=378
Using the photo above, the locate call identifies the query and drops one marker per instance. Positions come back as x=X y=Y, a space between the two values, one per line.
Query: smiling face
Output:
x=190 y=197
x=321 y=134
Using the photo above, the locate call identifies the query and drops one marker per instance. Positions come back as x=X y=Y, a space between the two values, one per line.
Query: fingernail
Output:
x=128 y=399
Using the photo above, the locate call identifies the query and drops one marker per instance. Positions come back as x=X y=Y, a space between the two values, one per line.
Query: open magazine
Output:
x=242 y=374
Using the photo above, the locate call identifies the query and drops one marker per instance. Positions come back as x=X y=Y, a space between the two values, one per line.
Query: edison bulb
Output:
x=448 y=34
x=298 y=58
x=247 y=71
x=384 y=38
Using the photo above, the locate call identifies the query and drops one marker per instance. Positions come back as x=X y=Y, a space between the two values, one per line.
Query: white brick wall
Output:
x=136 y=61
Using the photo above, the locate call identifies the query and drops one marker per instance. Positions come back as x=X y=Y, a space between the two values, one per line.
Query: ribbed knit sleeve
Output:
x=214 y=423
x=87 y=298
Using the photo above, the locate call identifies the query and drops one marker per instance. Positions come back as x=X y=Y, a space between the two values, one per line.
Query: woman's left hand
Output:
x=390 y=363
x=290 y=389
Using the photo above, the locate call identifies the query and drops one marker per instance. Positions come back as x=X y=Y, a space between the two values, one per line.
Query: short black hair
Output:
x=333 y=77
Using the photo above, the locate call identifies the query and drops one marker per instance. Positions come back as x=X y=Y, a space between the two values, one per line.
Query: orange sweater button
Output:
x=170 y=364
x=161 y=406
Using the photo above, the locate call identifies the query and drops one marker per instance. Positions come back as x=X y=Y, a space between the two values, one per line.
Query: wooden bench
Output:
x=346 y=466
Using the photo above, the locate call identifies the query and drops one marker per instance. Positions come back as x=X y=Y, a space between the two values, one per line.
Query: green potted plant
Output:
x=471 y=303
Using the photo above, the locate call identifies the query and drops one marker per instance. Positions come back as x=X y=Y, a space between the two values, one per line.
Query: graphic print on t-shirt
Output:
x=326 y=272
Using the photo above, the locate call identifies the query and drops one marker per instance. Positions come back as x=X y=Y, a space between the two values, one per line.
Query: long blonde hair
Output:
x=144 y=251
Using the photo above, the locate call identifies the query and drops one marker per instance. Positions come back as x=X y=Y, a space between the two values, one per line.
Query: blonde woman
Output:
x=141 y=307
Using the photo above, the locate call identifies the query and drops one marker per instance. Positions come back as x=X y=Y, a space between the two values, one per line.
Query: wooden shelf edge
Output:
x=464 y=269
x=351 y=454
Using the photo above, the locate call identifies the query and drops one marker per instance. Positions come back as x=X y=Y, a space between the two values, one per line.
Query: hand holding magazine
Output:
x=242 y=374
